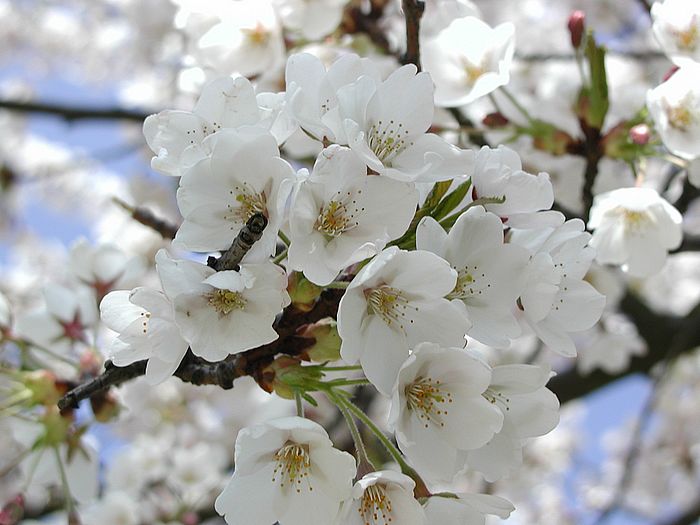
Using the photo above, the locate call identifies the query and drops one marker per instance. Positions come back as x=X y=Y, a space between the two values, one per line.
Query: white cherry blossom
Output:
x=498 y=173
x=468 y=59
x=677 y=28
x=529 y=410
x=380 y=498
x=222 y=313
x=675 y=108
x=312 y=91
x=288 y=471
x=176 y=136
x=386 y=124
x=556 y=300
x=394 y=303
x=243 y=175
x=440 y=408
x=144 y=320
x=490 y=273
x=314 y=19
x=340 y=215
x=466 y=509
x=634 y=228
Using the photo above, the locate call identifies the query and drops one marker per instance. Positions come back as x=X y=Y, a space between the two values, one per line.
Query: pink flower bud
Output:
x=640 y=134
x=669 y=73
x=495 y=120
x=577 y=26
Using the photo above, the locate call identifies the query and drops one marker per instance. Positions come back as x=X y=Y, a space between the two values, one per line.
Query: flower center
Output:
x=472 y=72
x=248 y=203
x=497 y=398
x=292 y=466
x=681 y=116
x=335 y=219
x=388 y=303
x=428 y=399
x=635 y=221
x=688 y=39
x=387 y=140
x=226 y=301
x=375 y=506
x=257 y=36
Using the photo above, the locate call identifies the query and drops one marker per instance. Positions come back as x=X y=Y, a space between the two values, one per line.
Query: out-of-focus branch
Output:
x=355 y=20
x=147 y=218
x=659 y=332
x=476 y=137
x=646 y=54
x=689 y=244
x=71 y=113
x=412 y=11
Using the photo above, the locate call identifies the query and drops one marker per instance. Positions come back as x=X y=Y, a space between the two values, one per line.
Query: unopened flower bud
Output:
x=495 y=120
x=44 y=388
x=285 y=375
x=577 y=26
x=302 y=292
x=640 y=134
x=327 y=345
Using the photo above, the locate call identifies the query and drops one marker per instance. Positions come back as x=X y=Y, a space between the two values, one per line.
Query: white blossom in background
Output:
x=557 y=301
x=242 y=175
x=676 y=25
x=339 y=215
x=226 y=312
x=490 y=273
x=312 y=91
x=380 y=498
x=385 y=124
x=610 y=352
x=65 y=321
x=529 y=409
x=466 y=509
x=144 y=320
x=288 y=471
x=114 y=508
x=243 y=37
x=468 y=59
x=440 y=408
x=439 y=14
x=104 y=267
x=395 y=302
x=314 y=19
x=675 y=108
x=176 y=136
x=693 y=170
x=498 y=173
x=634 y=228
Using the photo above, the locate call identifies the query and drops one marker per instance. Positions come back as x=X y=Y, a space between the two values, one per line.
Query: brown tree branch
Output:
x=413 y=11
x=72 y=113
x=147 y=218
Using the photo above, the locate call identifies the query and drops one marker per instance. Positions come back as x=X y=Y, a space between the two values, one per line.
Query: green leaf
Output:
x=598 y=90
x=450 y=202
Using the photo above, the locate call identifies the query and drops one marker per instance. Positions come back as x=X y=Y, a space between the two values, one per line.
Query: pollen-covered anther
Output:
x=497 y=398
x=258 y=35
x=635 y=221
x=334 y=219
x=375 y=508
x=472 y=71
x=292 y=467
x=429 y=399
x=681 y=115
x=387 y=140
x=688 y=39
x=388 y=303
x=248 y=203
x=226 y=301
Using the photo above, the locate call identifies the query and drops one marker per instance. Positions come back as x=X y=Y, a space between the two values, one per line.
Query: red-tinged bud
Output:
x=74 y=518
x=90 y=363
x=105 y=407
x=577 y=27
x=189 y=518
x=13 y=511
x=640 y=134
x=670 y=73
x=285 y=376
x=495 y=120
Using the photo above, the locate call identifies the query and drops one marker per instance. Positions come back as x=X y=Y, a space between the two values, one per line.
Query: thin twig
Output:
x=242 y=244
x=148 y=218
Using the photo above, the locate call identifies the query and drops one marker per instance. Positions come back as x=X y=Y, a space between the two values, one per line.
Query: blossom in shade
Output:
x=634 y=228
x=314 y=19
x=676 y=26
x=466 y=509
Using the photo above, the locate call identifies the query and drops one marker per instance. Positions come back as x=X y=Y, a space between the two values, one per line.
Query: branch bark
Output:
x=413 y=11
x=71 y=113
